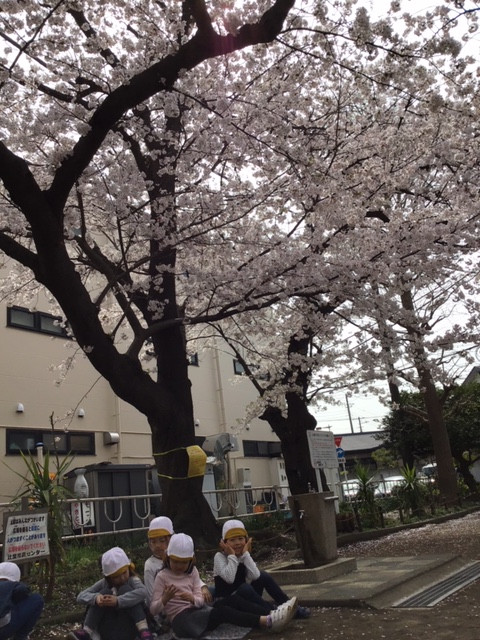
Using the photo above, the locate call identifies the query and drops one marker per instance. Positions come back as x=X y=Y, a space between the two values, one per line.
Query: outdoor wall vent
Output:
x=111 y=437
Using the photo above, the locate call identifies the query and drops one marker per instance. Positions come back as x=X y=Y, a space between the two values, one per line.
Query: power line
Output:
x=321 y=419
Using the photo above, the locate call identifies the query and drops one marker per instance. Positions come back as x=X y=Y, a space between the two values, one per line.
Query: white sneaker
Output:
x=289 y=604
x=281 y=617
x=292 y=607
x=278 y=617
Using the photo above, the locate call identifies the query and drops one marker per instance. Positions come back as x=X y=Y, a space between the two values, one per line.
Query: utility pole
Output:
x=349 y=414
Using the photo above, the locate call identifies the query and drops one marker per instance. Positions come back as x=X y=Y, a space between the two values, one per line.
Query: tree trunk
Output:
x=182 y=497
x=447 y=480
x=184 y=502
x=292 y=428
x=292 y=432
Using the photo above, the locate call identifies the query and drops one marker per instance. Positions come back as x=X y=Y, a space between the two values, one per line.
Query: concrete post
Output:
x=315 y=526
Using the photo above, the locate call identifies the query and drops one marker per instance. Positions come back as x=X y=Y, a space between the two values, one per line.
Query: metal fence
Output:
x=92 y=517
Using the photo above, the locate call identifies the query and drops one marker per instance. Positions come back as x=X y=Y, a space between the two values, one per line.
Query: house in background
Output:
x=44 y=378
x=473 y=376
x=358 y=449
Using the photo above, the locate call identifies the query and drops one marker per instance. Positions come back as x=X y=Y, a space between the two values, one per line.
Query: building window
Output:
x=193 y=360
x=238 y=368
x=25 y=440
x=261 y=449
x=20 y=318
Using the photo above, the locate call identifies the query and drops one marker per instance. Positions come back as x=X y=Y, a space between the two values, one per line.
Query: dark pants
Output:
x=236 y=601
x=24 y=616
x=113 y=623
x=265 y=581
x=235 y=610
x=247 y=592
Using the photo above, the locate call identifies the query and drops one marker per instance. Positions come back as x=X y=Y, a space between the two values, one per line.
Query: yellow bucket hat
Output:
x=114 y=562
x=180 y=547
x=233 y=529
x=160 y=527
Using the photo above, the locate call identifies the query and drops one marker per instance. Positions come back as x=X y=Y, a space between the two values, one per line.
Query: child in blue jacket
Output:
x=19 y=609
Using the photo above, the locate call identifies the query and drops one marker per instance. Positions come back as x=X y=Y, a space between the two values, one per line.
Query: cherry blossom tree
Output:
x=396 y=181
x=93 y=100
x=168 y=166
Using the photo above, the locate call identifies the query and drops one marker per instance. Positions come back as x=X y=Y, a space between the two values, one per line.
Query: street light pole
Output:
x=349 y=414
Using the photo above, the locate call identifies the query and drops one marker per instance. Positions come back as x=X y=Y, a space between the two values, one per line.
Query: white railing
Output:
x=109 y=511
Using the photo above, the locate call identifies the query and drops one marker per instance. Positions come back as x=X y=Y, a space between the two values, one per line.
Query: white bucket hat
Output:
x=160 y=527
x=9 y=571
x=234 y=529
x=114 y=562
x=180 y=546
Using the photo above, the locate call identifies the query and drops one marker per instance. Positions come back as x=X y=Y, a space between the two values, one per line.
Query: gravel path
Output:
x=460 y=536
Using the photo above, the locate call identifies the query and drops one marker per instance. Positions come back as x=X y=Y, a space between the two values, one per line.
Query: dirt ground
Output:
x=456 y=617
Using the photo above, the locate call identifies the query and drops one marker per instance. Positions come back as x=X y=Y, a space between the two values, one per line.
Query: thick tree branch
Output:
x=159 y=77
x=18 y=252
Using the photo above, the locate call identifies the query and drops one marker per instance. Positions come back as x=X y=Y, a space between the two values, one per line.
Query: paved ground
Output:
x=456 y=617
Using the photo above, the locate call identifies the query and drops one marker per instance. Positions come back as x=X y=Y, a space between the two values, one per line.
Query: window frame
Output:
x=193 y=360
x=261 y=449
x=238 y=368
x=39 y=435
x=37 y=324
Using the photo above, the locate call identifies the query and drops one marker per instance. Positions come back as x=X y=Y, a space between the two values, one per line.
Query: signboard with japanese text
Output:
x=83 y=515
x=25 y=535
x=323 y=452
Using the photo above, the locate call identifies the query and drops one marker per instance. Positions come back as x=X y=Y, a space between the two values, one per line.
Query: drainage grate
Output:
x=437 y=592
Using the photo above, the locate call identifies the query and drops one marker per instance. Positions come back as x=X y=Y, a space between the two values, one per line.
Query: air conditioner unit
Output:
x=111 y=437
x=244 y=476
x=219 y=444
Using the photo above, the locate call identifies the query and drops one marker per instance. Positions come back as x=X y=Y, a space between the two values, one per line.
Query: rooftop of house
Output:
x=473 y=376
x=365 y=441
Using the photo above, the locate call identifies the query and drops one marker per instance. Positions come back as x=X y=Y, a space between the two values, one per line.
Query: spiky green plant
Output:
x=366 y=495
x=412 y=492
x=43 y=489
x=366 y=485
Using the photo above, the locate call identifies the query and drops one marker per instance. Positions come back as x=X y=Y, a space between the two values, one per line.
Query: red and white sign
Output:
x=323 y=453
x=25 y=535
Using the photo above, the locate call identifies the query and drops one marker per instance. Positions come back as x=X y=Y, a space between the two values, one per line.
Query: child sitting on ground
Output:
x=235 y=571
x=160 y=531
x=177 y=593
x=19 y=609
x=115 y=604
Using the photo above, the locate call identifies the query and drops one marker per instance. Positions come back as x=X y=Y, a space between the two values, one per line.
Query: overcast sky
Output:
x=366 y=414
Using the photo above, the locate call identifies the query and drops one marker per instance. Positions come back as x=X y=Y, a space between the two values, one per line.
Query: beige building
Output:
x=44 y=378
